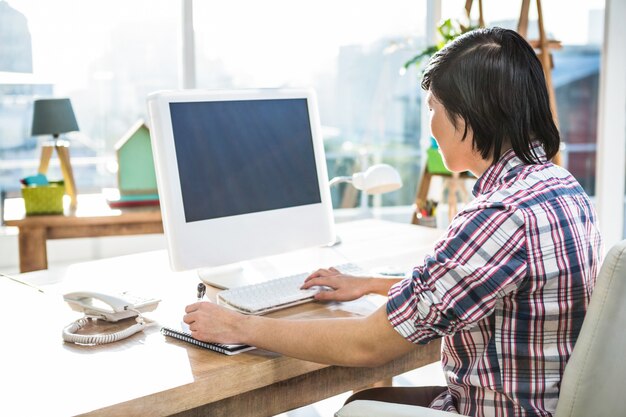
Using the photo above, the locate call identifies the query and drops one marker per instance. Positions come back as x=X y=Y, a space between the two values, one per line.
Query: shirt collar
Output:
x=507 y=162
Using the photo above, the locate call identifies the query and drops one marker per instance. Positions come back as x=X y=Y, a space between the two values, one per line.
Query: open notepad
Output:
x=184 y=335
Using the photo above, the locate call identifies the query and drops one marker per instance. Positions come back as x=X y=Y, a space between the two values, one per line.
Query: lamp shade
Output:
x=53 y=116
x=377 y=179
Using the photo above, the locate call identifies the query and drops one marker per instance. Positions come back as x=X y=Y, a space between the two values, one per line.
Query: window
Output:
x=108 y=55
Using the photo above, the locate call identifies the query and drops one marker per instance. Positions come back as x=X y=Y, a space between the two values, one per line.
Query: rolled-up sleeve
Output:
x=481 y=258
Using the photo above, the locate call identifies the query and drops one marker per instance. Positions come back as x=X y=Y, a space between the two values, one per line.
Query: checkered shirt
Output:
x=506 y=289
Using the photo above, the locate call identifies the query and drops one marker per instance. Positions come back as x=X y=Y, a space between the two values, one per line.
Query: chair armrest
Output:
x=366 y=408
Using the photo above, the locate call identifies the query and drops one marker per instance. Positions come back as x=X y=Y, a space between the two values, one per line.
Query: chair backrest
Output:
x=595 y=376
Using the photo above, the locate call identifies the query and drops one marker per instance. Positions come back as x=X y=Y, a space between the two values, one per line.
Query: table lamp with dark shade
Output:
x=53 y=116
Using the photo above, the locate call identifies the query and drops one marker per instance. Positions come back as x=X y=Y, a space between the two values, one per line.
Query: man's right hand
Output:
x=344 y=287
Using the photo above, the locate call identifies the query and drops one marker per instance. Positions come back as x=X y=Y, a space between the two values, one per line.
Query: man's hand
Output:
x=342 y=287
x=211 y=323
x=346 y=287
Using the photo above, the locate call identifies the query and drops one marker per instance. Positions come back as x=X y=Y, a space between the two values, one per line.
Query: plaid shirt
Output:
x=507 y=288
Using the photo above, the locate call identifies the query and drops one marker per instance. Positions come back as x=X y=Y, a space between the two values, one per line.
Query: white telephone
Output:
x=109 y=307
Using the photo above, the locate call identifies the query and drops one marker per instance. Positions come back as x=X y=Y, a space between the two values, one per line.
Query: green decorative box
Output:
x=434 y=162
x=44 y=199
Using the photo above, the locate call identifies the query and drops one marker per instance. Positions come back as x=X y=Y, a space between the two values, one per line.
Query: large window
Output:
x=108 y=55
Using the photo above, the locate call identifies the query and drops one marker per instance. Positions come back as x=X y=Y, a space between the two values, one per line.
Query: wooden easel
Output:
x=63 y=151
x=543 y=47
x=468 y=12
x=453 y=185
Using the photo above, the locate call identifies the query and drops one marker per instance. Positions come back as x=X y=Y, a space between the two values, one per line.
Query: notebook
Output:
x=226 y=349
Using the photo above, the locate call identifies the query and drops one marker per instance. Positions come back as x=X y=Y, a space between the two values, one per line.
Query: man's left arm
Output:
x=366 y=341
x=480 y=260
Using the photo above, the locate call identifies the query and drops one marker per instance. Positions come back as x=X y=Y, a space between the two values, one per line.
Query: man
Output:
x=508 y=285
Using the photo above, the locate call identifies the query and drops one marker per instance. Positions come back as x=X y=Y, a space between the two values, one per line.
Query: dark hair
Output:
x=493 y=80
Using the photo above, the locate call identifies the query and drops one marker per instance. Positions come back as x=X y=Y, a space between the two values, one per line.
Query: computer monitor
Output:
x=241 y=175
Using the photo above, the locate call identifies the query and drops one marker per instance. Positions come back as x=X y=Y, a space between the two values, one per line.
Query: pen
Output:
x=201 y=291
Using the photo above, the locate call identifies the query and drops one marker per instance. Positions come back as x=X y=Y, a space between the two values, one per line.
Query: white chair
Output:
x=595 y=376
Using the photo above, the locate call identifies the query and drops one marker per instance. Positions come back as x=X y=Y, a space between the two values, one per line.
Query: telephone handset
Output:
x=109 y=307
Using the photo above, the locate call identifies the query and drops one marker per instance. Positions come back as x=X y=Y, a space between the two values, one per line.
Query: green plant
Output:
x=448 y=30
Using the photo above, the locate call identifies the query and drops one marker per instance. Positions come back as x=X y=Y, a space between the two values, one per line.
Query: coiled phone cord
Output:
x=70 y=335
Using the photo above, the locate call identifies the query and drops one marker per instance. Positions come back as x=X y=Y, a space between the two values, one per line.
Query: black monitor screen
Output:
x=239 y=157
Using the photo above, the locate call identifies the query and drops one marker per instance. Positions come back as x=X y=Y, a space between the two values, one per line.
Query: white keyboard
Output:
x=275 y=294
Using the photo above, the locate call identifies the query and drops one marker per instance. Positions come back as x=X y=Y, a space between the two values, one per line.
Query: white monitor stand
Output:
x=231 y=276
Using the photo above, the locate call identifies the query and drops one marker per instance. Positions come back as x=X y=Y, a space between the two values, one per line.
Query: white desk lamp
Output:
x=377 y=179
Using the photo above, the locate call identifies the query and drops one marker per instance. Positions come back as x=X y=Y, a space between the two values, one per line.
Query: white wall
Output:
x=610 y=167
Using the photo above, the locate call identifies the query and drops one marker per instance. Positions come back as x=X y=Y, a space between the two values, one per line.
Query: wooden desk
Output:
x=92 y=218
x=148 y=374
